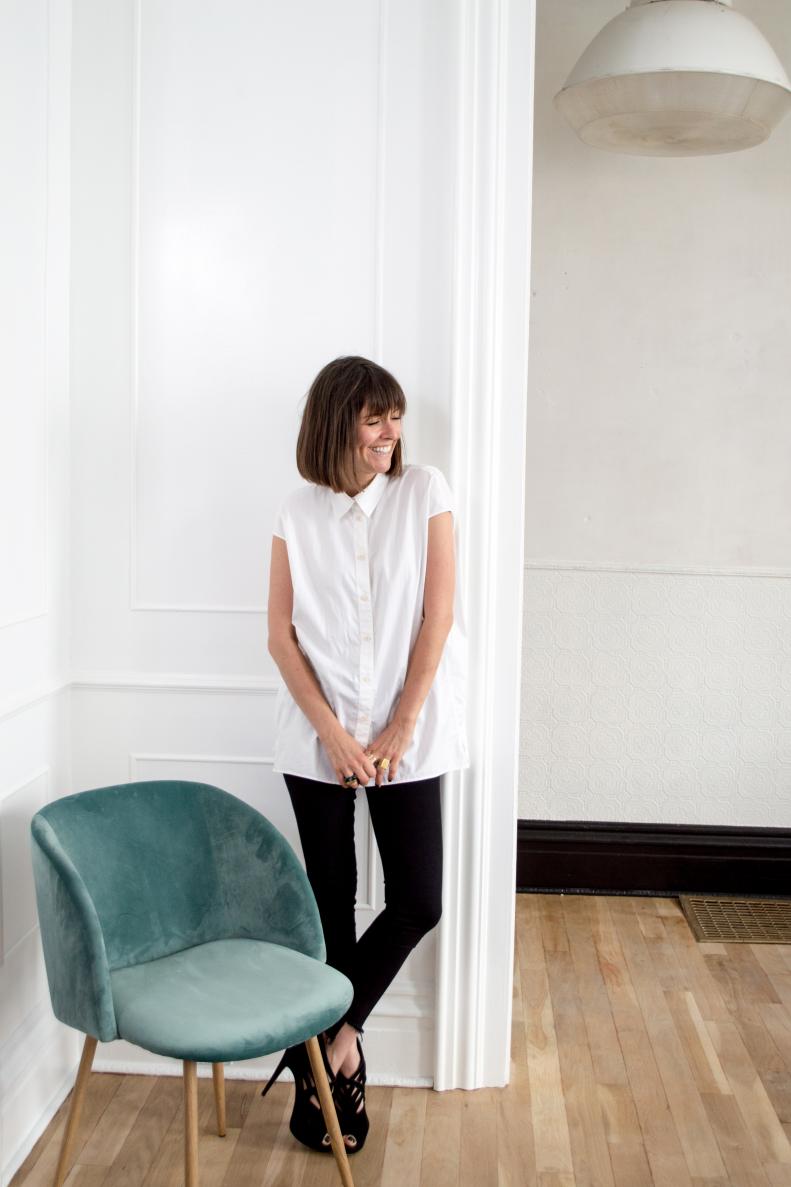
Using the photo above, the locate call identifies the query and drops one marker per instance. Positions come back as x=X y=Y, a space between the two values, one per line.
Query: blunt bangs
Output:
x=328 y=432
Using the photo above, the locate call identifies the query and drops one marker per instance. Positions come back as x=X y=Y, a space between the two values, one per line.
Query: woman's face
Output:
x=377 y=435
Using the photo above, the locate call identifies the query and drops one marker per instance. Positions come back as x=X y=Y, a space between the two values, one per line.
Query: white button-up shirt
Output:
x=358 y=569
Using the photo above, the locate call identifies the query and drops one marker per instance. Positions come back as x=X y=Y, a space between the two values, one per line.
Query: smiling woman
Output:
x=377 y=437
x=353 y=406
x=367 y=631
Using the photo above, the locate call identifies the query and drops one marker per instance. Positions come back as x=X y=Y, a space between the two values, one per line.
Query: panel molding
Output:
x=42 y=609
x=28 y=617
x=37 y=1031
x=44 y=772
x=562 y=566
x=44 y=1072
x=119 y=681
x=32 y=697
x=136 y=604
x=233 y=759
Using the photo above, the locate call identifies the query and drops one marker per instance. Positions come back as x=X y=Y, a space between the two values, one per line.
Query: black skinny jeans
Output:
x=407 y=823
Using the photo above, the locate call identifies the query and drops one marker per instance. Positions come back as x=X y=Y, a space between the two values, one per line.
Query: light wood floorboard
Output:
x=639 y=1058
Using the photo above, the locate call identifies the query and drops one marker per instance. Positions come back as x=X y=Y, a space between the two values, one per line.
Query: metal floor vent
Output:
x=738 y=920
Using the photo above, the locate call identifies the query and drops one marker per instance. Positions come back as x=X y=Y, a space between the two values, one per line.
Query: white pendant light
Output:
x=676 y=78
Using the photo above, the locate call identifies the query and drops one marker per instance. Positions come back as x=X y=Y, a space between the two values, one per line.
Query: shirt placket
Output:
x=365 y=682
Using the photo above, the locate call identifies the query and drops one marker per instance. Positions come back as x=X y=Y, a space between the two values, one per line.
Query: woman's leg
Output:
x=407 y=823
x=325 y=819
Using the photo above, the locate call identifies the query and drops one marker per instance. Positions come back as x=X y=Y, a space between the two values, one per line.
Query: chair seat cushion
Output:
x=226 y=1000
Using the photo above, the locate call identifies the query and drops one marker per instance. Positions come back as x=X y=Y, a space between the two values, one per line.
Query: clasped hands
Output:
x=348 y=757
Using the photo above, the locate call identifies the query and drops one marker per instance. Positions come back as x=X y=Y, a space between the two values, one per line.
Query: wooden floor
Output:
x=639 y=1058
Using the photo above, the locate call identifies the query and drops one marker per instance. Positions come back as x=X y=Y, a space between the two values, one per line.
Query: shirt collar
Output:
x=367 y=500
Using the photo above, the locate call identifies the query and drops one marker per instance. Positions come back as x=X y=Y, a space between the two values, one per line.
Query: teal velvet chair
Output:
x=175 y=916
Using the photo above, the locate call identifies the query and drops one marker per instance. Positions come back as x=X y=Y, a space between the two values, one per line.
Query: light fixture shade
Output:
x=676 y=78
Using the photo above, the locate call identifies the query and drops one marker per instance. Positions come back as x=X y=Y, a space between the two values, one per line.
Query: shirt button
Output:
x=363 y=597
x=366 y=638
x=366 y=679
x=361 y=556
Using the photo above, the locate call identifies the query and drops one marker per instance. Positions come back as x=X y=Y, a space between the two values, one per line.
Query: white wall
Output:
x=657 y=658
x=204 y=210
x=257 y=189
x=37 y=1054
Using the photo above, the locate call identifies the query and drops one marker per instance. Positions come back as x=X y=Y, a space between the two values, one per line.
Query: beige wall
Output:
x=657 y=661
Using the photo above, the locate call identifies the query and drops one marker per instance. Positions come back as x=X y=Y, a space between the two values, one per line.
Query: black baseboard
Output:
x=579 y=857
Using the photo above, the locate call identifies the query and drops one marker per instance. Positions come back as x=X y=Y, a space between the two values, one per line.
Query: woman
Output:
x=365 y=627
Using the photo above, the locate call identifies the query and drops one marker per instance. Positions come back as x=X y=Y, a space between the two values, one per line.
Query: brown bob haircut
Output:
x=328 y=433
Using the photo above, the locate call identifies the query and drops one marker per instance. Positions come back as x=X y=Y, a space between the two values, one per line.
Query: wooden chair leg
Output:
x=328 y=1109
x=75 y=1109
x=190 y=1123
x=218 y=1075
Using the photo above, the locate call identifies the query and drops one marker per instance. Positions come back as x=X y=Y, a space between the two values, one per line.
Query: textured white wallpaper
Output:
x=657 y=661
x=656 y=697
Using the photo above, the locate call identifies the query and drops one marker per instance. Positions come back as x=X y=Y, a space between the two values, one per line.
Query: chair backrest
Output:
x=140 y=870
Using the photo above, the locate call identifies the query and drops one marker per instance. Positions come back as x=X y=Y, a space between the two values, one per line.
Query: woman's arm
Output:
x=438 y=598
x=294 y=665
x=345 y=754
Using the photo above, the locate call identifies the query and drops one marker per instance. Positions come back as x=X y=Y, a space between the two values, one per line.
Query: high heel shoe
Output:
x=349 y=1095
x=307 y=1122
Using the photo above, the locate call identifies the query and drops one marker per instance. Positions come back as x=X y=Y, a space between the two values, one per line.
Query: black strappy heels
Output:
x=349 y=1096
x=307 y=1122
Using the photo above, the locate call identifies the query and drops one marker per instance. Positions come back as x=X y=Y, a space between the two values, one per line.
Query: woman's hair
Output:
x=328 y=433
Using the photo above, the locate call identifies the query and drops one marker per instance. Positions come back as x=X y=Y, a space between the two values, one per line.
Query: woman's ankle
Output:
x=342 y=1050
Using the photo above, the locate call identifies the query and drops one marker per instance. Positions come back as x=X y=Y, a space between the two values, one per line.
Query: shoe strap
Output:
x=350 y=1090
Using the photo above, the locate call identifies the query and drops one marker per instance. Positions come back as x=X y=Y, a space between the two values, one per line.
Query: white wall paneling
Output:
x=37 y=1054
x=23 y=328
x=163 y=682
x=257 y=191
x=280 y=185
x=37 y=1066
x=207 y=206
x=26 y=699
x=17 y=895
x=111 y=724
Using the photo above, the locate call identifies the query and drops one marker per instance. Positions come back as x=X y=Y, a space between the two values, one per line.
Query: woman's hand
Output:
x=347 y=756
x=391 y=743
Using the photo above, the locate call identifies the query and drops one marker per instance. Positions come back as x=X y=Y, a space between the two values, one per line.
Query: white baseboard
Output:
x=13 y=1163
x=239 y=1071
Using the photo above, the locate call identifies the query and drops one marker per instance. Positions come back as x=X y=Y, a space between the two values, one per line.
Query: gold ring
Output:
x=384 y=764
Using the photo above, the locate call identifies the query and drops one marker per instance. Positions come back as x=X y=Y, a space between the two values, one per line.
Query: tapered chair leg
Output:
x=75 y=1109
x=190 y=1123
x=328 y=1109
x=218 y=1075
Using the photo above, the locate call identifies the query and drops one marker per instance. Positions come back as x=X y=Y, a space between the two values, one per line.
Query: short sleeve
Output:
x=280 y=527
x=440 y=496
